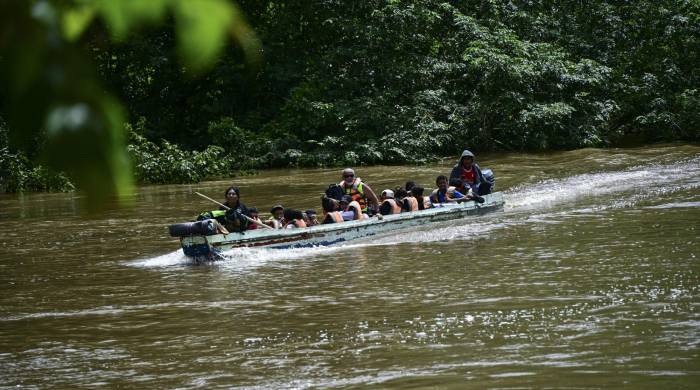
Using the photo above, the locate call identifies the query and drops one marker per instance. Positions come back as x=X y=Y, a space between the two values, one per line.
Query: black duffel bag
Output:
x=205 y=227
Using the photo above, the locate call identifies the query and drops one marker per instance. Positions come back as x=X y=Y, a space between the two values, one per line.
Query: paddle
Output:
x=228 y=208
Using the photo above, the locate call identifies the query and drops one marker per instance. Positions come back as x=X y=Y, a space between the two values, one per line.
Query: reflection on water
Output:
x=588 y=278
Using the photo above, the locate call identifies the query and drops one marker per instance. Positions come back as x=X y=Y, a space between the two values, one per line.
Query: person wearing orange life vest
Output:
x=389 y=205
x=331 y=213
x=294 y=219
x=405 y=199
x=409 y=202
x=423 y=201
x=351 y=209
x=359 y=192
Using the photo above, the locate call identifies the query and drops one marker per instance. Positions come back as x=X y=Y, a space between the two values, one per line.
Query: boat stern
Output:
x=196 y=246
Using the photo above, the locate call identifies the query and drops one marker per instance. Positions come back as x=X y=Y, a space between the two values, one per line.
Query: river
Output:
x=589 y=277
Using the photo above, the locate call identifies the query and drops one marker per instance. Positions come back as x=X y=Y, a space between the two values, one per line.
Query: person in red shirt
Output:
x=254 y=215
x=470 y=173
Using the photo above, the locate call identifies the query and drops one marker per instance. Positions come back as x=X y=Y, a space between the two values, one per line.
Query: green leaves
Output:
x=51 y=93
x=202 y=26
x=86 y=141
x=76 y=20
x=342 y=82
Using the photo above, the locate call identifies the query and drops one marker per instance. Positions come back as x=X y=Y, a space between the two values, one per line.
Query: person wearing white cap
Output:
x=357 y=190
x=389 y=205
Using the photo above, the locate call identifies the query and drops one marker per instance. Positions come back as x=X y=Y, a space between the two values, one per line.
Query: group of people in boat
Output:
x=352 y=199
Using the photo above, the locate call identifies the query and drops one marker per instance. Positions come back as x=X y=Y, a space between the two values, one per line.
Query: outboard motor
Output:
x=488 y=183
x=206 y=227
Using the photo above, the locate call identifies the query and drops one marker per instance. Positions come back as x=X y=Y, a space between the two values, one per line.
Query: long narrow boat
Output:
x=207 y=247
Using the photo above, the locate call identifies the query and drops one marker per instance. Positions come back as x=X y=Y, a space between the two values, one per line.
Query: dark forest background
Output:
x=396 y=82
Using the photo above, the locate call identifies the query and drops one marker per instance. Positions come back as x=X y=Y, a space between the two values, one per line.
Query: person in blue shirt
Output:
x=456 y=184
x=442 y=194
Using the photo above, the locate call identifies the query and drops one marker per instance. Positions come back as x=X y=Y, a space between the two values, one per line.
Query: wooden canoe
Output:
x=208 y=247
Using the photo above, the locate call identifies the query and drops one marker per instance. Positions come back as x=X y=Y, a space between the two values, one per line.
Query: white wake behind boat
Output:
x=209 y=246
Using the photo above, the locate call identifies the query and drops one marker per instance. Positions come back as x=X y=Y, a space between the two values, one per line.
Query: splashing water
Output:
x=647 y=181
x=521 y=201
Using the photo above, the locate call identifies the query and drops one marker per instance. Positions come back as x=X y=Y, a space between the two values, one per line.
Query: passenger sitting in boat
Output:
x=399 y=194
x=294 y=219
x=254 y=215
x=442 y=194
x=456 y=184
x=234 y=220
x=460 y=186
x=277 y=219
x=331 y=210
x=311 y=218
x=409 y=202
x=359 y=191
x=351 y=209
x=389 y=205
x=409 y=186
x=423 y=201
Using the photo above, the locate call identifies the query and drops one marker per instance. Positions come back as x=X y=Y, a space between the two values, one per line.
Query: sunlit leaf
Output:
x=76 y=20
x=201 y=27
x=123 y=16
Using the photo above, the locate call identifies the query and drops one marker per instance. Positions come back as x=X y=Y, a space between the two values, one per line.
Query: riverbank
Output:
x=167 y=163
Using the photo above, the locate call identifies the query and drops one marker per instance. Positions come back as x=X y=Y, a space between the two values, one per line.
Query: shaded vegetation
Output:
x=18 y=173
x=397 y=81
x=164 y=162
x=348 y=83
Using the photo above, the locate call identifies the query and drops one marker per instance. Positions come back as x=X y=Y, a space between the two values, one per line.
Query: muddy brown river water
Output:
x=589 y=278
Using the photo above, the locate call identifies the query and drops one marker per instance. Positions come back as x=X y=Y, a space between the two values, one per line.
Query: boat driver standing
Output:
x=358 y=191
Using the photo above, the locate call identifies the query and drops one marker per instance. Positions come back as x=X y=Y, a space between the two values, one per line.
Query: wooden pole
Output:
x=228 y=208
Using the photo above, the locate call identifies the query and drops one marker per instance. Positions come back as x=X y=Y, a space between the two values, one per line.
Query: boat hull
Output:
x=330 y=234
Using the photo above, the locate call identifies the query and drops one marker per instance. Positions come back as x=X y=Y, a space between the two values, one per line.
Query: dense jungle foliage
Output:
x=388 y=81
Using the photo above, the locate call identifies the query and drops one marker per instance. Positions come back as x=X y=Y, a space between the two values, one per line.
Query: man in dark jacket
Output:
x=470 y=173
